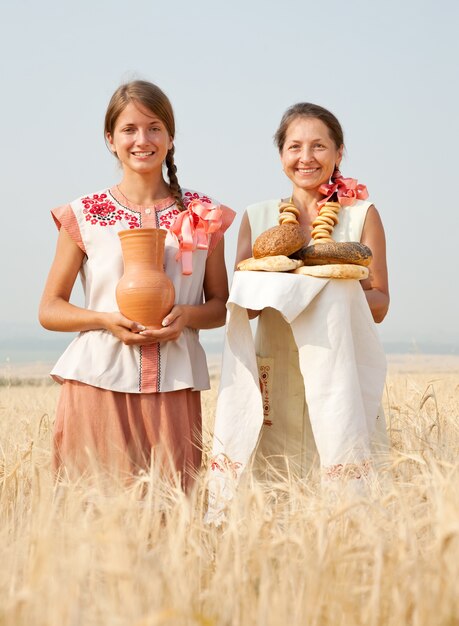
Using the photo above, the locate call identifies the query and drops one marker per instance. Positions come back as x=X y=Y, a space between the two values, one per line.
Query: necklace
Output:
x=152 y=203
x=122 y=194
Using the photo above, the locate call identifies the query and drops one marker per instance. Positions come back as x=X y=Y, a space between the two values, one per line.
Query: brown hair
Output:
x=156 y=101
x=307 y=109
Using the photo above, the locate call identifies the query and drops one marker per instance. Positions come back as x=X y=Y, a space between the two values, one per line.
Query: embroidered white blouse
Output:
x=97 y=357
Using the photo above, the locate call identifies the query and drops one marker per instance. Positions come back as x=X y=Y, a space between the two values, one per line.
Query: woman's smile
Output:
x=307 y=171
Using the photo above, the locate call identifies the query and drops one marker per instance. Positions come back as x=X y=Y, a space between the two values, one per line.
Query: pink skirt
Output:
x=124 y=433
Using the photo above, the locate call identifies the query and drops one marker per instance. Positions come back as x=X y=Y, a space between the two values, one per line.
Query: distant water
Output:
x=49 y=347
x=37 y=369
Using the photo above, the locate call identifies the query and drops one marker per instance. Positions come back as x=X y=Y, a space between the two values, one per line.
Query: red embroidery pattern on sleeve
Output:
x=188 y=196
x=98 y=209
x=167 y=217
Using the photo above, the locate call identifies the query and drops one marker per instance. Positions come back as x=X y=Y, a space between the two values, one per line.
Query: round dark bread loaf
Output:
x=284 y=239
x=346 y=252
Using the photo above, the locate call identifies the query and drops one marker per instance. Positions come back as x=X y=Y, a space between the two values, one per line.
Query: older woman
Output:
x=310 y=142
x=296 y=351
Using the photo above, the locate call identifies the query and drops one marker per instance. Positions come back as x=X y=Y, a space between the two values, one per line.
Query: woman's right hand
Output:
x=126 y=330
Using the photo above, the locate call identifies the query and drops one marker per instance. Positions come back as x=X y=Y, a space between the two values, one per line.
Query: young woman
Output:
x=128 y=392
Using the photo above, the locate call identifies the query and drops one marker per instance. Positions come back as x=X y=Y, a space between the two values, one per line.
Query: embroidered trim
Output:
x=166 y=217
x=189 y=196
x=98 y=209
x=222 y=463
x=264 y=371
x=228 y=216
x=158 y=368
x=347 y=471
x=140 y=368
x=64 y=217
x=150 y=368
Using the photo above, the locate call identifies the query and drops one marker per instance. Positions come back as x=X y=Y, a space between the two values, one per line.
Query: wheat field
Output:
x=75 y=554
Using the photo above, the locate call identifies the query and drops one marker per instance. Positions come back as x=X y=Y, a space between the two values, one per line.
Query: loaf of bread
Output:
x=347 y=252
x=334 y=271
x=279 y=240
x=279 y=263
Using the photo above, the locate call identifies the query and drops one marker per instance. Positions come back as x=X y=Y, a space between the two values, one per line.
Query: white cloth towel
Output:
x=341 y=360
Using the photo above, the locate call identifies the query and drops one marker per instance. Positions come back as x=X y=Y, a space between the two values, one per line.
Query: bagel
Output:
x=287 y=217
x=287 y=206
x=325 y=222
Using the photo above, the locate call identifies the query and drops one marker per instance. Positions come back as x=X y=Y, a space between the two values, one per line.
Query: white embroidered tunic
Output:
x=97 y=357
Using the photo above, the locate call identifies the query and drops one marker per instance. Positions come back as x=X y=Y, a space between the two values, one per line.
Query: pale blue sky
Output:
x=387 y=70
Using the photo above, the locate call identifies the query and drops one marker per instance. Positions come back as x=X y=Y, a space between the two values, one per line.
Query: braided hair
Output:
x=174 y=185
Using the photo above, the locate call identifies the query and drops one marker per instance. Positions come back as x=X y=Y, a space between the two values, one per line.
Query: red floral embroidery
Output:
x=222 y=463
x=355 y=471
x=188 y=196
x=98 y=209
x=166 y=218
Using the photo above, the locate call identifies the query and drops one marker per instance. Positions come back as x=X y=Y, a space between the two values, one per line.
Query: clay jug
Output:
x=145 y=293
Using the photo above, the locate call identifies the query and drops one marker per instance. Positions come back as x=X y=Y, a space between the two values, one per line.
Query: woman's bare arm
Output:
x=244 y=251
x=57 y=313
x=376 y=286
x=244 y=240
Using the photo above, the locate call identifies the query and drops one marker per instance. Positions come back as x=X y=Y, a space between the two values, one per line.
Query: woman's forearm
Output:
x=211 y=314
x=378 y=303
x=60 y=315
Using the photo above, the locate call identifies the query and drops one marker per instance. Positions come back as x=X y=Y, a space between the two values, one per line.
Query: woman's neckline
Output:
x=159 y=204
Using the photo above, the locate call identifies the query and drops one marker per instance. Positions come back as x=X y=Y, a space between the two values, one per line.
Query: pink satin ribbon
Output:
x=347 y=189
x=192 y=228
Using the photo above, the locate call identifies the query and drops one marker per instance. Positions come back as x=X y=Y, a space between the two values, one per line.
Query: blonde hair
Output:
x=152 y=98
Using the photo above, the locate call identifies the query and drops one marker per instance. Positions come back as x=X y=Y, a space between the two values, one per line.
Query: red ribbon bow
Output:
x=192 y=228
x=347 y=189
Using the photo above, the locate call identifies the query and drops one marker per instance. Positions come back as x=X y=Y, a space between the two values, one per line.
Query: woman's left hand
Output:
x=173 y=325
